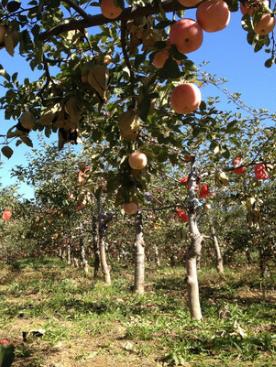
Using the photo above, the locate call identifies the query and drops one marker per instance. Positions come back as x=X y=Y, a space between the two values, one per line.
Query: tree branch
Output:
x=127 y=61
x=78 y=9
x=127 y=14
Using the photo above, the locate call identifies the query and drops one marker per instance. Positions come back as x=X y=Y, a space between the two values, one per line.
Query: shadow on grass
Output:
x=169 y=284
x=70 y=308
x=227 y=343
x=32 y=355
x=225 y=292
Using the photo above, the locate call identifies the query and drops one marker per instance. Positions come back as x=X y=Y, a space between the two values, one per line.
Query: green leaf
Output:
x=27 y=141
x=233 y=5
x=258 y=46
x=7 y=151
x=215 y=147
x=9 y=43
x=250 y=37
x=226 y=154
x=139 y=59
x=177 y=55
x=4 y=73
x=269 y=62
x=13 y=6
x=144 y=107
x=170 y=70
x=18 y=142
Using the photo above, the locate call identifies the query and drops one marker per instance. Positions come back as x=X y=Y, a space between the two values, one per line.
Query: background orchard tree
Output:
x=58 y=197
x=16 y=217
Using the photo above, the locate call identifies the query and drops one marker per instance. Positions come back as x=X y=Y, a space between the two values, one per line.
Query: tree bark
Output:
x=173 y=261
x=139 y=276
x=194 y=249
x=104 y=265
x=76 y=262
x=198 y=263
x=95 y=244
x=69 y=260
x=83 y=257
x=248 y=256
x=156 y=255
x=192 y=255
x=219 y=259
x=101 y=234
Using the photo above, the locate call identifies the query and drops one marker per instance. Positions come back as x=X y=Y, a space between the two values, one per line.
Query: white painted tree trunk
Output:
x=192 y=255
x=95 y=244
x=69 y=260
x=83 y=259
x=194 y=250
x=104 y=265
x=156 y=255
x=101 y=242
x=64 y=254
x=76 y=262
x=139 y=276
x=219 y=259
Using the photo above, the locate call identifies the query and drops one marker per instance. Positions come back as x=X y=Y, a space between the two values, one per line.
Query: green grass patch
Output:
x=81 y=317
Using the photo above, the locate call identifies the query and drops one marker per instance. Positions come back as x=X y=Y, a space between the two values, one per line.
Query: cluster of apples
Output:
x=137 y=160
x=266 y=23
x=187 y=36
x=201 y=188
x=260 y=169
x=239 y=168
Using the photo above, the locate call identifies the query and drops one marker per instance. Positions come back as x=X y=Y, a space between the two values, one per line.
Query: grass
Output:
x=88 y=324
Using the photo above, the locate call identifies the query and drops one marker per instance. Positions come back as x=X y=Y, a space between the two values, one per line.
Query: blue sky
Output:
x=229 y=56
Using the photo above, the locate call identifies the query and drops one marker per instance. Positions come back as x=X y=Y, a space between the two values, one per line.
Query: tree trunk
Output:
x=192 y=255
x=139 y=276
x=173 y=261
x=95 y=244
x=156 y=255
x=83 y=258
x=194 y=249
x=76 y=262
x=104 y=265
x=69 y=260
x=219 y=259
x=248 y=256
x=101 y=234
x=198 y=263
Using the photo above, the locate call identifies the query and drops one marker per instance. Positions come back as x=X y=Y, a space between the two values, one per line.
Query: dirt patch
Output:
x=84 y=352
